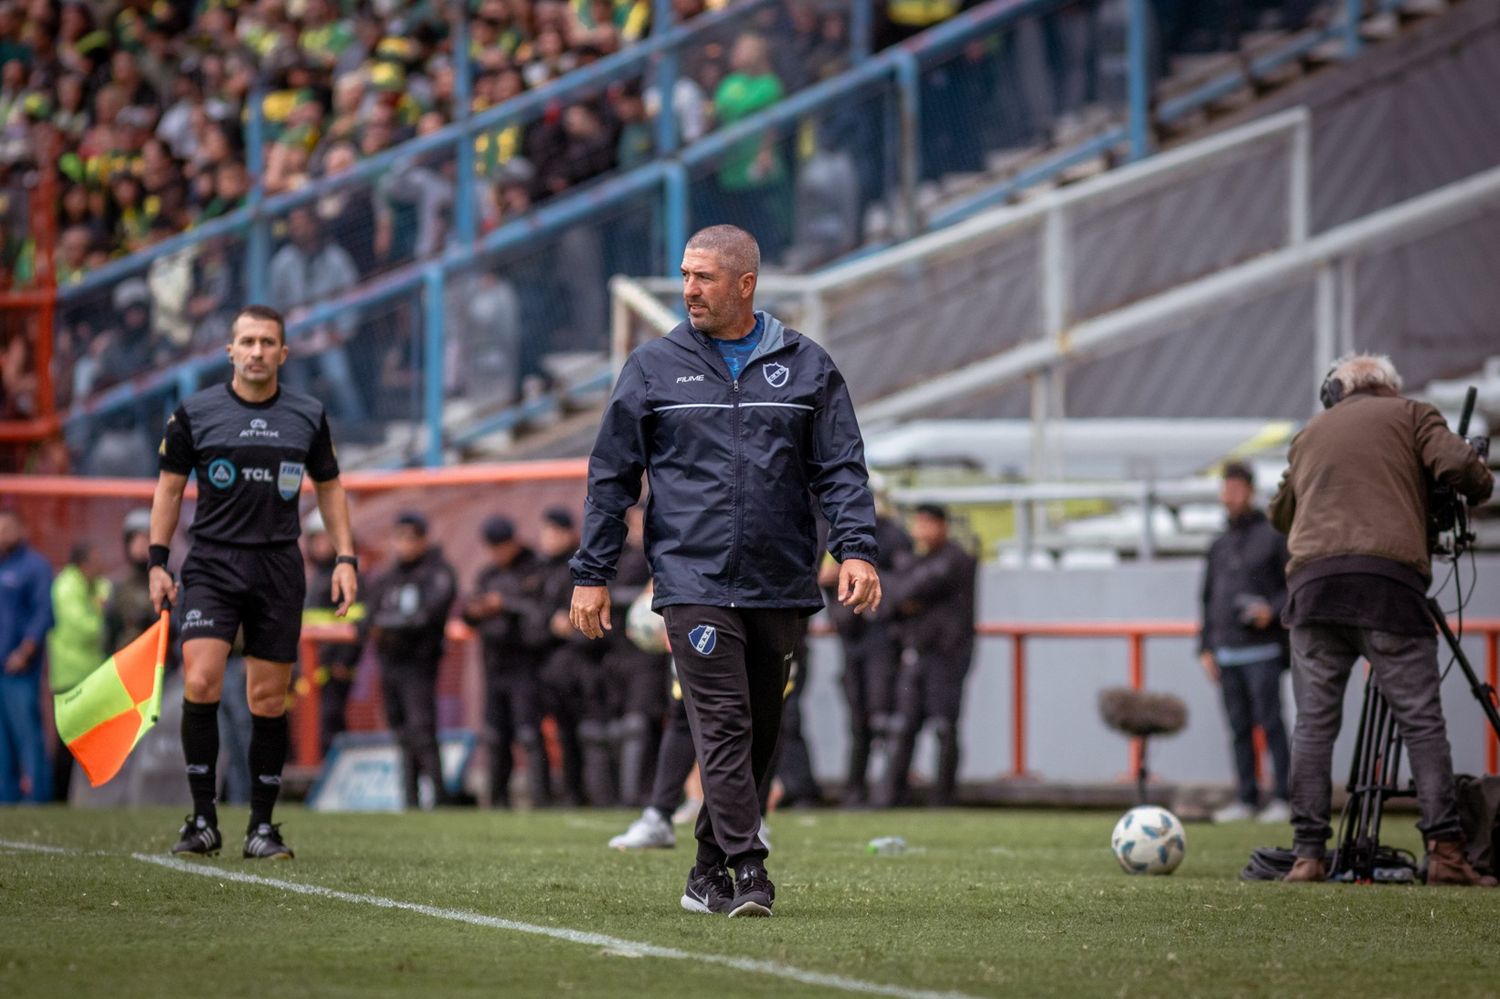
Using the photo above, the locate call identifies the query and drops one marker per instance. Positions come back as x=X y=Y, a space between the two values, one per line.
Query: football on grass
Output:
x=1149 y=840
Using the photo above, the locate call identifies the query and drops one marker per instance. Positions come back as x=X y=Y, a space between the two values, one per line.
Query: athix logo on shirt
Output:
x=704 y=638
x=776 y=374
x=258 y=428
x=221 y=473
x=689 y=378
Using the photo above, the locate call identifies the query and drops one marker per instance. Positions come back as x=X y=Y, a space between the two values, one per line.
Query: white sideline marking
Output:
x=624 y=948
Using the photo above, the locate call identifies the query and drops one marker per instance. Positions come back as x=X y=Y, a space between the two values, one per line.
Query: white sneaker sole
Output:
x=750 y=909
x=627 y=846
x=691 y=904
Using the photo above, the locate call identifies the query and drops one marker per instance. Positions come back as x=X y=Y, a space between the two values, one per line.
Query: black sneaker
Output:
x=264 y=843
x=708 y=893
x=199 y=836
x=753 y=892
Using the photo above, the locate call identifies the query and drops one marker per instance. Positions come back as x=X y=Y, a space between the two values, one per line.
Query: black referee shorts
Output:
x=226 y=588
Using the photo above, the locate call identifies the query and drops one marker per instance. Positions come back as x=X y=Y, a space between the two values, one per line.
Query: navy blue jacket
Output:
x=734 y=468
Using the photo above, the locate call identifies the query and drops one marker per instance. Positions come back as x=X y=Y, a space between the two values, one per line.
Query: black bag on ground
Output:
x=1479 y=814
x=1268 y=863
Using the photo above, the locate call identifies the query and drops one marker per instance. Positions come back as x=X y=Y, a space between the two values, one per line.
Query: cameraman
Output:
x=1354 y=505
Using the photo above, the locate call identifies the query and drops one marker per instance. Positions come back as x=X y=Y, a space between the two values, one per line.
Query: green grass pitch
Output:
x=986 y=903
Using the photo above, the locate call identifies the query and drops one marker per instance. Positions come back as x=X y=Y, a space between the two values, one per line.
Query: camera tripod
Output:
x=1374 y=776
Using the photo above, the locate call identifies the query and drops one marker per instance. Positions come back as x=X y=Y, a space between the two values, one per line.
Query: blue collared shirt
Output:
x=25 y=601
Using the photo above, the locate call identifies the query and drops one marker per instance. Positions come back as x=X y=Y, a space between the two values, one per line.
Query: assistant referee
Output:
x=250 y=442
x=741 y=425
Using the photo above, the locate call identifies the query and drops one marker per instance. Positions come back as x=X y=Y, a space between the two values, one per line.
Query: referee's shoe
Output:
x=753 y=891
x=263 y=842
x=198 y=835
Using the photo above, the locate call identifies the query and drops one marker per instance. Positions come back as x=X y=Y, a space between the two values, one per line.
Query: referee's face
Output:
x=256 y=351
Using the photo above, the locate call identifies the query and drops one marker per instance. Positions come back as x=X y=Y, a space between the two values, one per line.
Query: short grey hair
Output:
x=1366 y=372
x=736 y=248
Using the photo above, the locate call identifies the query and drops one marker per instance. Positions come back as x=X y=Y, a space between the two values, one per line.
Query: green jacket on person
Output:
x=75 y=646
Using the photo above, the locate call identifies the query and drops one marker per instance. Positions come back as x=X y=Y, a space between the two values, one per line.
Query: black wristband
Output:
x=348 y=560
x=158 y=555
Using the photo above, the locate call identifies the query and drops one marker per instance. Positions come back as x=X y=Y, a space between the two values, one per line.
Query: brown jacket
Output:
x=1357 y=482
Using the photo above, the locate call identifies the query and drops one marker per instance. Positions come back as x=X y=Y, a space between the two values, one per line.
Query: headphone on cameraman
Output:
x=1332 y=391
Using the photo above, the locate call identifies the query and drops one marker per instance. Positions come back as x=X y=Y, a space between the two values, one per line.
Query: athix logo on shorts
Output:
x=689 y=378
x=221 y=473
x=704 y=638
x=776 y=374
x=258 y=429
x=195 y=619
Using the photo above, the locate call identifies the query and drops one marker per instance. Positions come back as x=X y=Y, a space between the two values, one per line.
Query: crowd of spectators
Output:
x=147 y=99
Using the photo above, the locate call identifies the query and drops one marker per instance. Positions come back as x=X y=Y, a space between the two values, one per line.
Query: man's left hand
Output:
x=1261 y=616
x=16 y=662
x=859 y=586
x=345 y=587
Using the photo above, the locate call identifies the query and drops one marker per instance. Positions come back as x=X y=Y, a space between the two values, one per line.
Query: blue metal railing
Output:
x=896 y=72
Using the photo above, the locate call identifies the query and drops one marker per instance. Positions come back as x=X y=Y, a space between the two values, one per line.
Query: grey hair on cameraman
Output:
x=1366 y=372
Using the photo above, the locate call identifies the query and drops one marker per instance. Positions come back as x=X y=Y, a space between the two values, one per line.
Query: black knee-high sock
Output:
x=200 y=748
x=268 y=744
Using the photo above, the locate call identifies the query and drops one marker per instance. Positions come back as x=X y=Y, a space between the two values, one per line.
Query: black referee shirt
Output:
x=250 y=458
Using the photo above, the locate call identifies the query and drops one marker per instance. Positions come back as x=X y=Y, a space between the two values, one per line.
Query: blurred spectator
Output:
x=752 y=178
x=307 y=270
x=75 y=647
x=25 y=619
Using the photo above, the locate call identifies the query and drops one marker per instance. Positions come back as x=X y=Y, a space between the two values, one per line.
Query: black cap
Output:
x=933 y=510
x=559 y=516
x=412 y=519
x=498 y=530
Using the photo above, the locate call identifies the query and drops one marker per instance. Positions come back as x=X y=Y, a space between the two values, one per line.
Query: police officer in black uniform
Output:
x=501 y=609
x=872 y=658
x=409 y=605
x=577 y=696
x=336 y=660
x=931 y=596
x=636 y=681
x=250 y=443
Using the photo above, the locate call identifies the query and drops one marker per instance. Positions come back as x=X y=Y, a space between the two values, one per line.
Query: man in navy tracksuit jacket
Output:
x=740 y=425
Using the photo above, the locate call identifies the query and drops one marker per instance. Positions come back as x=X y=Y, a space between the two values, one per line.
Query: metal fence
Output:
x=459 y=249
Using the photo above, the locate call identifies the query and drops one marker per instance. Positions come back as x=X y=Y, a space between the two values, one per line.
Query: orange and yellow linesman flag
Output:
x=103 y=717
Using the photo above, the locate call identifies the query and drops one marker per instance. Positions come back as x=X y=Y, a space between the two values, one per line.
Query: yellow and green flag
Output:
x=103 y=717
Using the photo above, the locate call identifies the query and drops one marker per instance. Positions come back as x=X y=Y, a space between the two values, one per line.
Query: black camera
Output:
x=1448 y=532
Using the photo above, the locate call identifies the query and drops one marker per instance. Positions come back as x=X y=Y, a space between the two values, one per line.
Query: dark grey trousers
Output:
x=732 y=664
x=1252 y=696
x=1406 y=671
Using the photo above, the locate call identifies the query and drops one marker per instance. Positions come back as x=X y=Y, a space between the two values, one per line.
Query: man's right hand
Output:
x=163 y=588
x=589 y=612
x=1210 y=666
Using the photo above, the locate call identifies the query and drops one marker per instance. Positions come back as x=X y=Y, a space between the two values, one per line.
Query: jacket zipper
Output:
x=734 y=545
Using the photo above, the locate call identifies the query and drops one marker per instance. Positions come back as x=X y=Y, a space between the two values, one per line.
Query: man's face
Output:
x=408 y=544
x=320 y=547
x=138 y=547
x=1236 y=494
x=557 y=540
x=256 y=350
x=928 y=532
x=10 y=531
x=714 y=297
